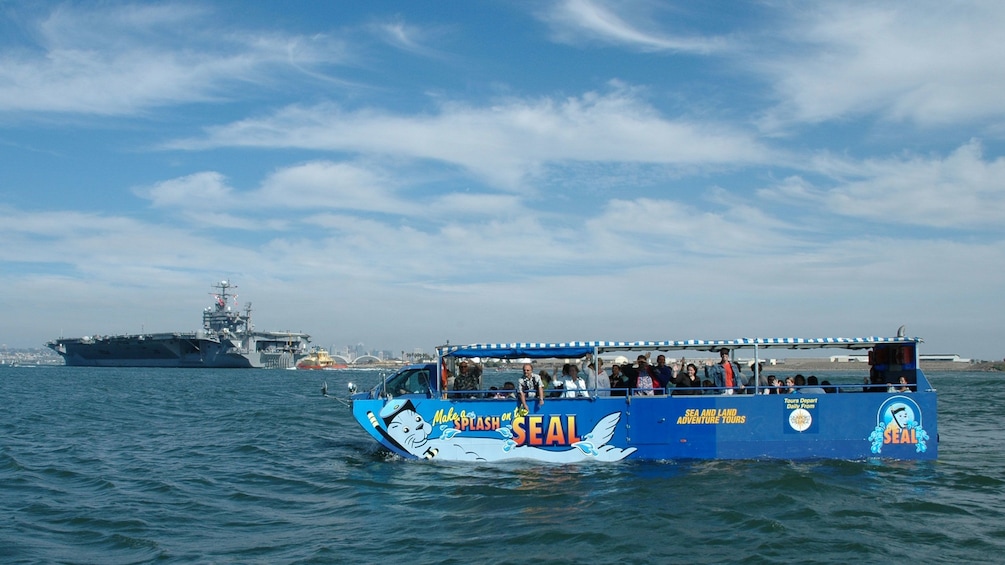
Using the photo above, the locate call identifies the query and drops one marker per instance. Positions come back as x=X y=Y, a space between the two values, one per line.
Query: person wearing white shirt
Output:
x=572 y=385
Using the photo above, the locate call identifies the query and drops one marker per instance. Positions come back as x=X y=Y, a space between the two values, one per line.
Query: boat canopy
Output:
x=575 y=349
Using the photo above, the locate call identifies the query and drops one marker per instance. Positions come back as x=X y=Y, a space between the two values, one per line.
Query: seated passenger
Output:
x=509 y=389
x=772 y=385
x=800 y=382
x=789 y=387
x=903 y=385
x=762 y=386
x=707 y=385
x=813 y=386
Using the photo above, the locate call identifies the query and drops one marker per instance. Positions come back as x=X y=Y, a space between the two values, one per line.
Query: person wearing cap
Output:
x=725 y=374
x=468 y=378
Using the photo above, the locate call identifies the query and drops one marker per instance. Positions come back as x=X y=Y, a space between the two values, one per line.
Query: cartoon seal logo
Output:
x=899 y=422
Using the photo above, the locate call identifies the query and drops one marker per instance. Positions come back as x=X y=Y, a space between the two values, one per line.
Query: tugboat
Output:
x=228 y=339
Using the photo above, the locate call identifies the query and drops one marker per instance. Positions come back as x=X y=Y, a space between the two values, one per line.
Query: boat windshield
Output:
x=409 y=381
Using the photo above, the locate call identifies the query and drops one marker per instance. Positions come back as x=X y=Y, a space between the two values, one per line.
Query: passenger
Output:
x=530 y=387
x=788 y=387
x=545 y=379
x=446 y=377
x=826 y=385
x=800 y=382
x=598 y=380
x=572 y=385
x=904 y=386
x=552 y=385
x=631 y=372
x=725 y=374
x=645 y=378
x=495 y=394
x=509 y=389
x=707 y=385
x=773 y=385
x=619 y=381
x=468 y=377
x=813 y=386
x=875 y=382
x=687 y=382
x=663 y=373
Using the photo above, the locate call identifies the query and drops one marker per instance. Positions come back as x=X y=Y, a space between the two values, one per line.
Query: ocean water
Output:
x=229 y=466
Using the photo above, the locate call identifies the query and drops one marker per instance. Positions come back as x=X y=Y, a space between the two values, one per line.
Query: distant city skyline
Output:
x=505 y=171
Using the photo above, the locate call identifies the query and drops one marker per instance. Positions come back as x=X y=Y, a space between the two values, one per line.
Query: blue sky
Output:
x=400 y=174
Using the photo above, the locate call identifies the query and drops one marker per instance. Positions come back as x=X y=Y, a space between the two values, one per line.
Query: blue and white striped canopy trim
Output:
x=573 y=349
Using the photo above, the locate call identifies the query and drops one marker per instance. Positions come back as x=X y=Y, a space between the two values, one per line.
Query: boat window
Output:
x=409 y=381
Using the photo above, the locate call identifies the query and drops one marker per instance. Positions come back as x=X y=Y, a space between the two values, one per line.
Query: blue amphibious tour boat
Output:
x=416 y=414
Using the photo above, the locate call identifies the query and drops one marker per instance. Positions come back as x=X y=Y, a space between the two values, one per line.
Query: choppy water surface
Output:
x=144 y=465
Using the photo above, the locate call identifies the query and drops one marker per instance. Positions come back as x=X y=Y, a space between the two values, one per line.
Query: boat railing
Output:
x=796 y=390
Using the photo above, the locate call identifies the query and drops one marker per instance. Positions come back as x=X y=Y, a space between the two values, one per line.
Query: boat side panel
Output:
x=843 y=426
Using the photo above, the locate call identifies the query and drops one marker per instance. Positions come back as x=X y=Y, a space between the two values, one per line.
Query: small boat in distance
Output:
x=319 y=359
x=887 y=411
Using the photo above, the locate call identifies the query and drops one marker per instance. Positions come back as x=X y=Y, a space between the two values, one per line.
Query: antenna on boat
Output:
x=901 y=331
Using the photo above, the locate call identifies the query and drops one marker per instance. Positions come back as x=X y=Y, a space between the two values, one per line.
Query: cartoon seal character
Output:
x=406 y=429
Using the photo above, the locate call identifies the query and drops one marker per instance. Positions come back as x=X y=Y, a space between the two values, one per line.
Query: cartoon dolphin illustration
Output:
x=408 y=431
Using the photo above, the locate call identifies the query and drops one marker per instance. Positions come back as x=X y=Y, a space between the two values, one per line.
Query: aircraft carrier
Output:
x=227 y=340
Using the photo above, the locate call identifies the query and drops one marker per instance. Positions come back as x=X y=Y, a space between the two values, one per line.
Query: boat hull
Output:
x=850 y=425
x=174 y=351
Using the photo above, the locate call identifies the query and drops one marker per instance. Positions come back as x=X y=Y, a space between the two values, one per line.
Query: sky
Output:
x=403 y=174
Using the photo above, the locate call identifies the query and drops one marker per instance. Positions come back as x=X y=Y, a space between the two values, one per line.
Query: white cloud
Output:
x=501 y=143
x=127 y=59
x=932 y=63
x=407 y=37
x=962 y=191
x=201 y=190
x=619 y=23
x=324 y=185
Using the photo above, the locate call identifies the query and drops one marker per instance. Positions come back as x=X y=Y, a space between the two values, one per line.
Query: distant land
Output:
x=824 y=364
x=809 y=365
